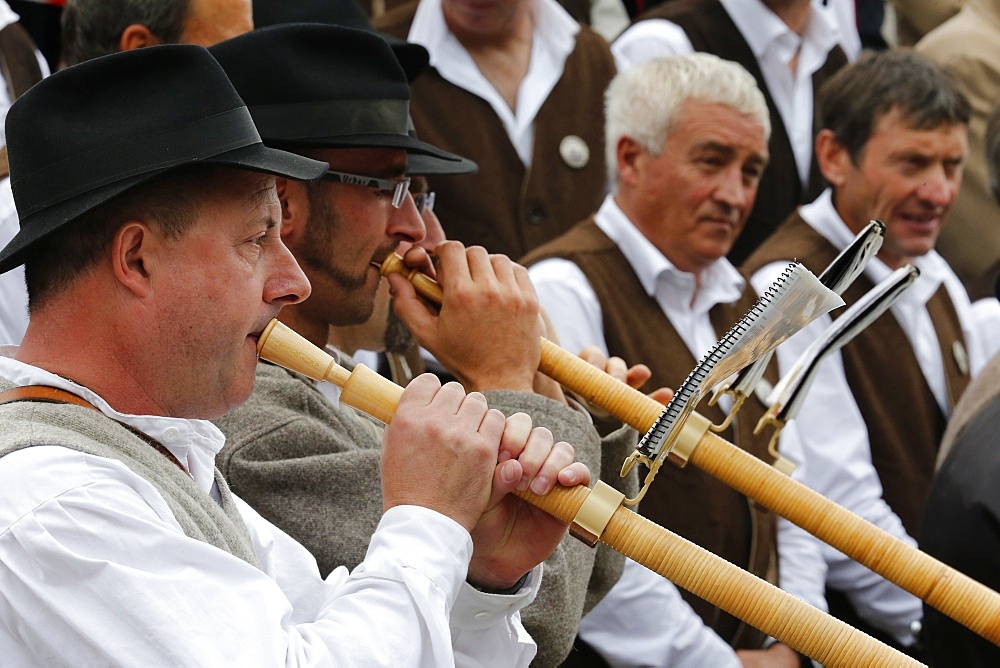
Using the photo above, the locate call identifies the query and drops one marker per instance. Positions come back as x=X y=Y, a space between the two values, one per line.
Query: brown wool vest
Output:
x=687 y=501
x=904 y=422
x=711 y=30
x=505 y=207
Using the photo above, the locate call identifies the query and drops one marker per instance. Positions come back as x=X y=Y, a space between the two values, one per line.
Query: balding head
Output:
x=92 y=28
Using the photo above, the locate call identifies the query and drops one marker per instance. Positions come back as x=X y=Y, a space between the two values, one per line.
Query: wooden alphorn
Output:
x=800 y=626
x=965 y=600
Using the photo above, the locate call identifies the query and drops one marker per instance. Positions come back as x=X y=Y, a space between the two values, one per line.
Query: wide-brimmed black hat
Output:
x=315 y=85
x=95 y=130
x=347 y=13
x=428 y=165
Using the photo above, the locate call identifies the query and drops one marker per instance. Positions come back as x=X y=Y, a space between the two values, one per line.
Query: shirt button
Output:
x=536 y=216
x=482 y=615
x=171 y=433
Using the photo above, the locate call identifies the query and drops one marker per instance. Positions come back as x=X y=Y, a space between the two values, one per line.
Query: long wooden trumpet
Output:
x=784 y=617
x=965 y=600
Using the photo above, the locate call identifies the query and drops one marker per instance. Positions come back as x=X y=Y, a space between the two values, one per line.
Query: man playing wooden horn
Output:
x=151 y=236
x=309 y=464
x=646 y=279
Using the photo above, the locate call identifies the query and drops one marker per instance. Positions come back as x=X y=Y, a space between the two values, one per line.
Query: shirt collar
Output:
x=823 y=217
x=7 y=15
x=764 y=30
x=194 y=442
x=554 y=35
x=758 y=25
x=720 y=281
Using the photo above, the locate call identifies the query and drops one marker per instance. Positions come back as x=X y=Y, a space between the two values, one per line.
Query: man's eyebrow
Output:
x=714 y=146
x=728 y=150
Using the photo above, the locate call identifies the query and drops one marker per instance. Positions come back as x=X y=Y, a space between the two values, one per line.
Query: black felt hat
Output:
x=346 y=13
x=315 y=85
x=427 y=165
x=89 y=133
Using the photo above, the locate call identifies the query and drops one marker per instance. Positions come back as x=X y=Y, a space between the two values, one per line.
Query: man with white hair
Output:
x=646 y=279
x=790 y=47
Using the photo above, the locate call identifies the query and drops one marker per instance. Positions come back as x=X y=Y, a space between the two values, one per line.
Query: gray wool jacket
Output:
x=312 y=469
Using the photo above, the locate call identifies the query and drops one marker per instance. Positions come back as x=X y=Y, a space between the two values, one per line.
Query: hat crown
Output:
x=346 y=13
x=136 y=93
x=318 y=85
x=91 y=132
x=312 y=82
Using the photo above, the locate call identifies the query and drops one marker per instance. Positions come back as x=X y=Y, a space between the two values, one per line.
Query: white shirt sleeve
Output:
x=801 y=566
x=96 y=571
x=643 y=621
x=571 y=304
x=833 y=438
x=985 y=316
x=647 y=40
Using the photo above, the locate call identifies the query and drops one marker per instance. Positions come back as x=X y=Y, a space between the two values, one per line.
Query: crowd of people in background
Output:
x=623 y=177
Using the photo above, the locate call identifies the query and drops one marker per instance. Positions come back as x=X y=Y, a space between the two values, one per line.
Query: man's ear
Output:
x=137 y=36
x=833 y=158
x=294 y=197
x=135 y=256
x=627 y=152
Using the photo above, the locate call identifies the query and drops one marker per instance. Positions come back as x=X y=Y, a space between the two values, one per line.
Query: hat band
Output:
x=331 y=118
x=178 y=145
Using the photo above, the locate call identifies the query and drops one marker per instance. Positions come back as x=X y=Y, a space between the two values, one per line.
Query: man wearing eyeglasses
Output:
x=309 y=464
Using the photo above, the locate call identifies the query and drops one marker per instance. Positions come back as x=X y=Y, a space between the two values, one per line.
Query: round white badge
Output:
x=574 y=151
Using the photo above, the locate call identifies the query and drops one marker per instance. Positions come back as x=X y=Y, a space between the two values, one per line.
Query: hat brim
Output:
x=413 y=58
x=255 y=158
x=427 y=165
x=407 y=143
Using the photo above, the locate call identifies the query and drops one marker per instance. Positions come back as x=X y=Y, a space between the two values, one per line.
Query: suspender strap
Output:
x=44 y=393
x=54 y=395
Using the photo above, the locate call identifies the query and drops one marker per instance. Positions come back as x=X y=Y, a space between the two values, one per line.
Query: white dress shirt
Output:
x=575 y=312
x=95 y=570
x=774 y=45
x=616 y=626
x=13 y=295
x=553 y=39
x=829 y=439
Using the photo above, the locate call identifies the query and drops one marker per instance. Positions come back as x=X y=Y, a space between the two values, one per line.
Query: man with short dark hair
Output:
x=892 y=145
x=92 y=28
x=120 y=542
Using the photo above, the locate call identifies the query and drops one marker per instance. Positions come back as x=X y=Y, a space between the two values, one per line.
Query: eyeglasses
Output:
x=424 y=202
x=397 y=188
